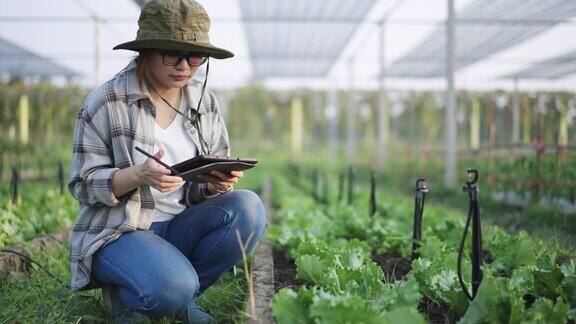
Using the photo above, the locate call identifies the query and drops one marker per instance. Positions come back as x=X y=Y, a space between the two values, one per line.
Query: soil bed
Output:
x=395 y=267
x=436 y=314
x=284 y=272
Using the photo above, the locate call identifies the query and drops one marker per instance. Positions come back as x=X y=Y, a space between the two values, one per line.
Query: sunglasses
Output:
x=173 y=58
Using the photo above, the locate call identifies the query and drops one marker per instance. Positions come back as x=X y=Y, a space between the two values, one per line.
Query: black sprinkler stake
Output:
x=61 y=176
x=474 y=217
x=372 y=193
x=15 y=183
x=341 y=179
x=421 y=190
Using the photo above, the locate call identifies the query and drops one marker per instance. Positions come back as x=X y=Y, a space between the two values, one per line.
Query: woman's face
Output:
x=174 y=75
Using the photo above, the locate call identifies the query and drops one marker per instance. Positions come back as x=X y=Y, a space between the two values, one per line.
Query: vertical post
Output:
x=476 y=257
x=491 y=139
x=526 y=120
x=23 y=120
x=372 y=193
x=61 y=176
x=516 y=114
x=563 y=124
x=421 y=190
x=450 y=121
x=475 y=124
x=296 y=125
x=15 y=183
x=315 y=183
x=382 y=112
x=351 y=120
x=351 y=174
x=539 y=145
x=341 y=180
x=325 y=192
x=96 y=50
x=332 y=114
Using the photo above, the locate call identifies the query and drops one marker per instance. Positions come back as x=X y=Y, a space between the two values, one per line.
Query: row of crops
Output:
x=40 y=208
x=352 y=260
x=342 y=254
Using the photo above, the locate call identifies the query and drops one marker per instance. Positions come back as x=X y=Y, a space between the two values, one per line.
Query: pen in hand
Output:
x=174 y=171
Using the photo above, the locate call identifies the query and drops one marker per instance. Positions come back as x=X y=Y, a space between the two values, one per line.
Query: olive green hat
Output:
x=180 y=25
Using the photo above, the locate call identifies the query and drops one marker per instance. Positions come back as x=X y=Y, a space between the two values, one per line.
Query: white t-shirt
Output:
x=178 y=146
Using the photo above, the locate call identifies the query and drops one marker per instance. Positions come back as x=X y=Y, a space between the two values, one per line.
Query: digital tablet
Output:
x=190 y=169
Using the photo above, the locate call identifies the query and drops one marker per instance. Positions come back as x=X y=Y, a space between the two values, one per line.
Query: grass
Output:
x=36 y=297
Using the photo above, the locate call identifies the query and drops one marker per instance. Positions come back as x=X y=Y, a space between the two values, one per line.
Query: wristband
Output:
x=223 y=191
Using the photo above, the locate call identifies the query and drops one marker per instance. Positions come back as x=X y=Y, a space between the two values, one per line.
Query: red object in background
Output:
x=539 y=145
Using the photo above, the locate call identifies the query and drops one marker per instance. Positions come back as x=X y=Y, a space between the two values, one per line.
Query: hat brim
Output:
x=169 y=44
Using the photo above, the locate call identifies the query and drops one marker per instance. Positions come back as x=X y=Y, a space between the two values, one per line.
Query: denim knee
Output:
x=170 y=295
x=248 y=210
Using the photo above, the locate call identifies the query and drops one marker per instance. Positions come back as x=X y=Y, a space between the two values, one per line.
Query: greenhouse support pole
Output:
x=450 y=121
x=475 y=125
x=351 y=120
x=383 y=116
x=516 y=114
x=563 y=125
x=296 y=125
x=23 y=119
x=332 y=114
x=526 y=120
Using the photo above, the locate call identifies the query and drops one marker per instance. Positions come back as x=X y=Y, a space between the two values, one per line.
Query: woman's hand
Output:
x=220 y=181
x=156 y=175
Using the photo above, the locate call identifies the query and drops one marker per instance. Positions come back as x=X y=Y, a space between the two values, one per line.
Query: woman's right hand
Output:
x=157 y=176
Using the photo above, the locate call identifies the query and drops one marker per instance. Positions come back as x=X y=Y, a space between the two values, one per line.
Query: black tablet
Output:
x=190 y=169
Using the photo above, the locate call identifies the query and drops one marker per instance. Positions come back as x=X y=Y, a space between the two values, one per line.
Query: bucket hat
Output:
x=179 y=25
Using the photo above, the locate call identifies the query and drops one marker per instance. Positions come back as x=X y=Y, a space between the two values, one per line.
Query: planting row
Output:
x=335 y=245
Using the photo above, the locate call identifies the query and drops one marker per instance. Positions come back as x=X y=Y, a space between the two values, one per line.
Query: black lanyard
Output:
x=195 y=120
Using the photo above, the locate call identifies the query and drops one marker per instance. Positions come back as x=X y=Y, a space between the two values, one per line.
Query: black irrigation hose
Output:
x=460 y=254
x=55 y=277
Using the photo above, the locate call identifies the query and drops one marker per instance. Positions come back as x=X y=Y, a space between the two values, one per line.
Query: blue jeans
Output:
x=158 y=272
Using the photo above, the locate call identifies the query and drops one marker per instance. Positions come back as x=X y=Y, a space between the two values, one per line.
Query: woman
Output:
x=151 y=240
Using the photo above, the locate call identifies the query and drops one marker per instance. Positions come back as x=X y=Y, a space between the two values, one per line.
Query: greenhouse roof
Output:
x=554 y=68
x=320 y=43
x=485 y=27
x=299 y=37
x=17 y=61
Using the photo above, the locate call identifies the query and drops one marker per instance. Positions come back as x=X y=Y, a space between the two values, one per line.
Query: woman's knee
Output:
x=249 y=210
x=171 y=295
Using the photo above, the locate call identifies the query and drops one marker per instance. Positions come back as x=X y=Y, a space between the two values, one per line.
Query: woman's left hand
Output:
x=220 y=181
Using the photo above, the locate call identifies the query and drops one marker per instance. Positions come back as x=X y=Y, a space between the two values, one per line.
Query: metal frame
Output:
x=281 y=46
x=476 y=42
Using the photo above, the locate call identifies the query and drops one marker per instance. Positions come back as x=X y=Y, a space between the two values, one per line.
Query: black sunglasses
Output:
x=173 y=58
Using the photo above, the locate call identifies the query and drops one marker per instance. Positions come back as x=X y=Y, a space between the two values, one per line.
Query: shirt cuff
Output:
x=101 y=185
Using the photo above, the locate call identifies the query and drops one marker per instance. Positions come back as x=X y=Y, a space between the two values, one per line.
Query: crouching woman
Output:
x=152 y=241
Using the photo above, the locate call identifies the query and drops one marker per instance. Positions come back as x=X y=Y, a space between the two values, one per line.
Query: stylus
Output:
x=174 y=172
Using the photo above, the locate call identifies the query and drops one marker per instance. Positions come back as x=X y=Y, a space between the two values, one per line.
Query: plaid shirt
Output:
x=115 y=118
